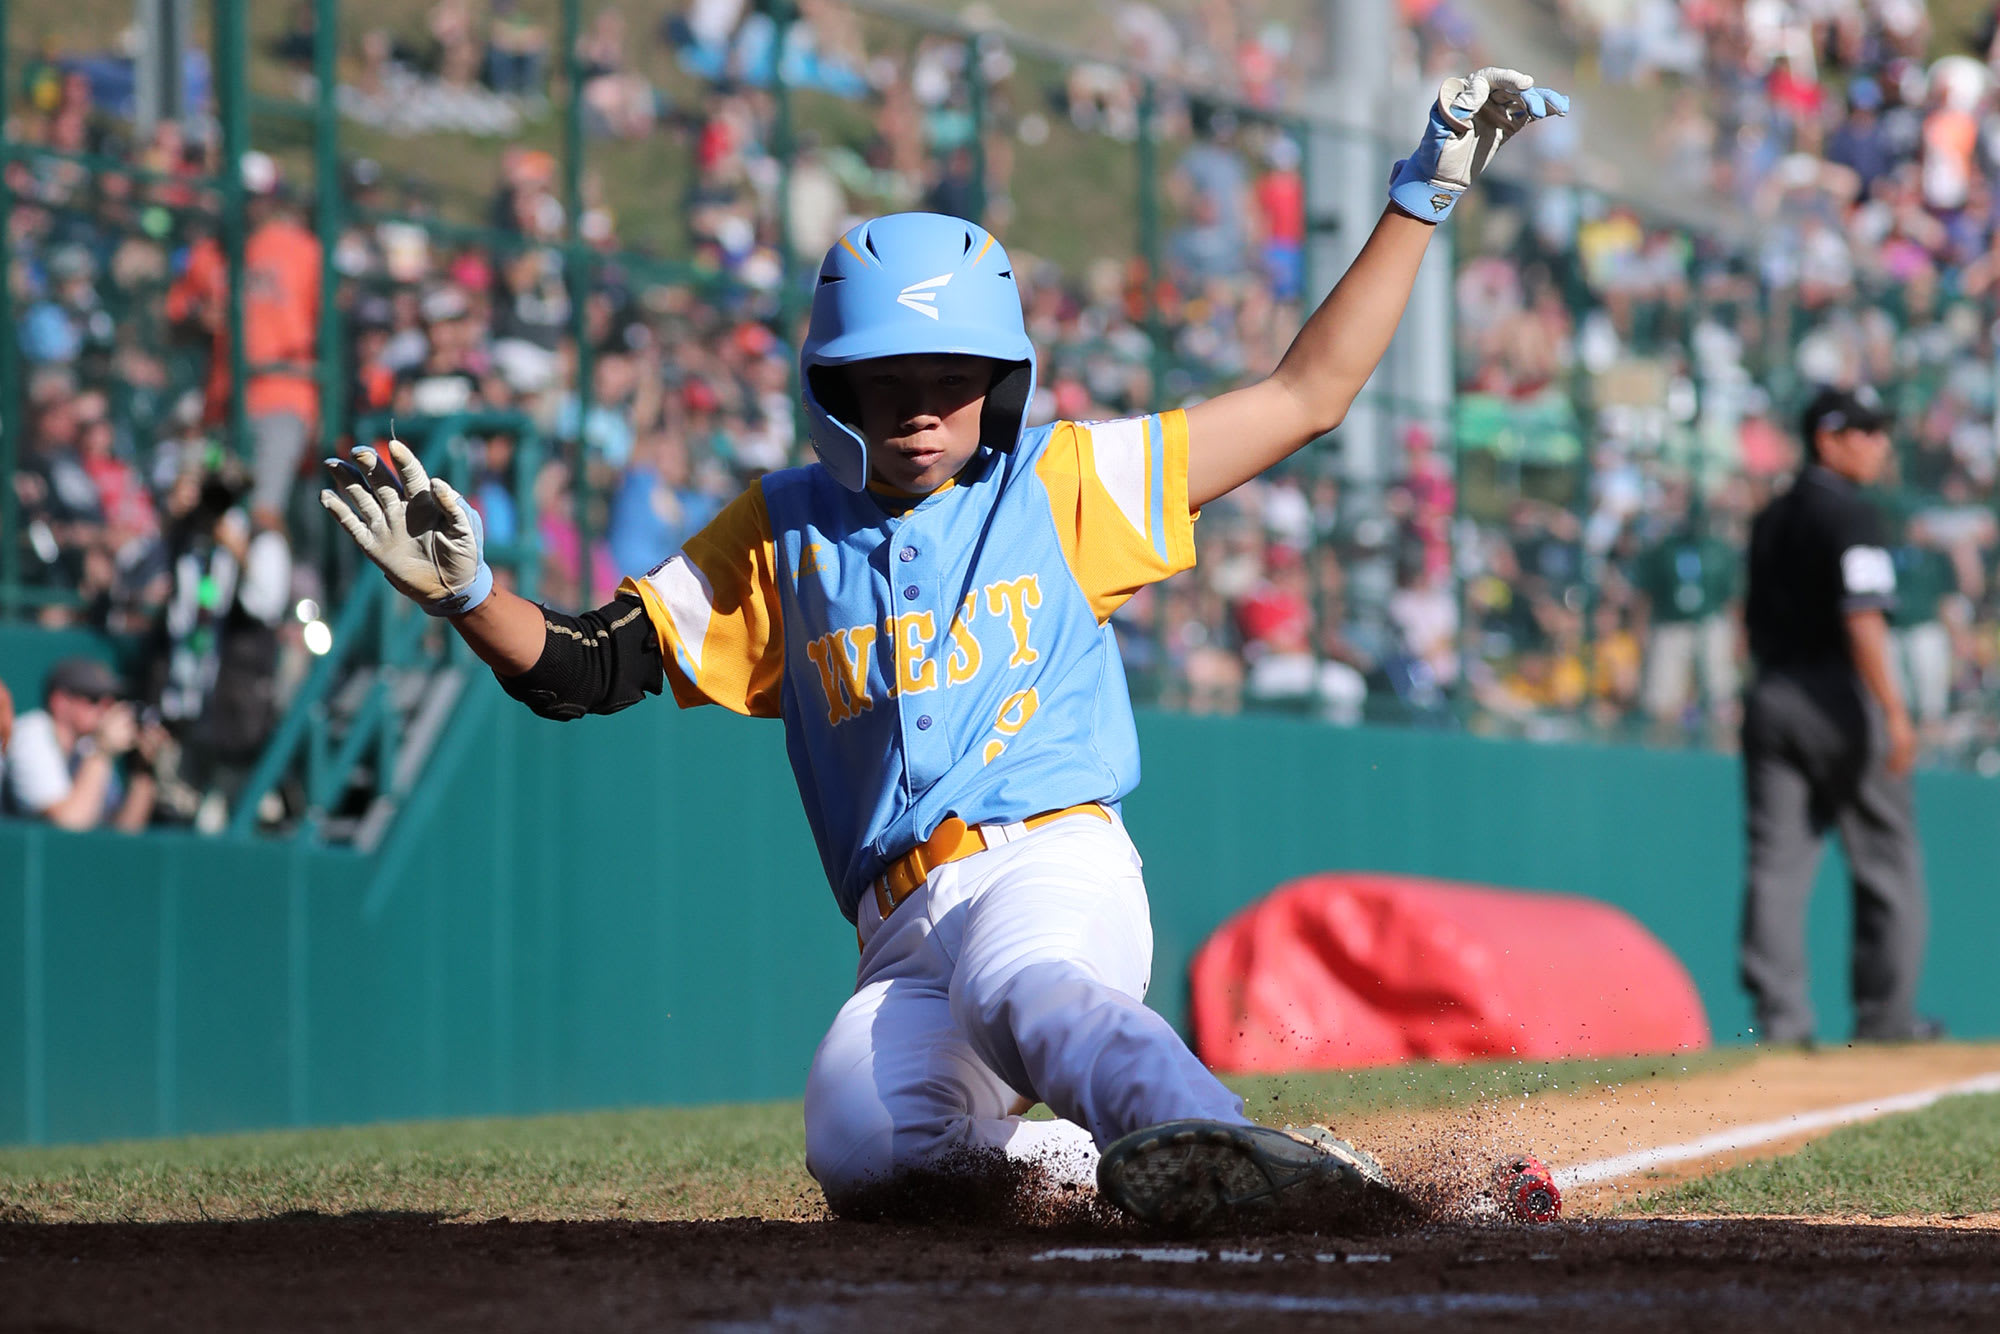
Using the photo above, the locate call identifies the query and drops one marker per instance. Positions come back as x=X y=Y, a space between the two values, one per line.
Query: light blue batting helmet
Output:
x=904 y=284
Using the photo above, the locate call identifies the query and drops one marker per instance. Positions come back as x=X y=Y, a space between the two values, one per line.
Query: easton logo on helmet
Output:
x=922 y=297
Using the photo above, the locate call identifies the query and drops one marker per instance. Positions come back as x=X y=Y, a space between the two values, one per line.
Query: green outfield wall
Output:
x=628 y=910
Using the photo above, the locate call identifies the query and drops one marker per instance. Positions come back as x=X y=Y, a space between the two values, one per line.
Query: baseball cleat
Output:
x=1186 y=1174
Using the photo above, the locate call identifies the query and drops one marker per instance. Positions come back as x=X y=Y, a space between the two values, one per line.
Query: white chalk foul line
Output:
x=1172 y=1255
x=1188 y=1255
x=1766 y=1132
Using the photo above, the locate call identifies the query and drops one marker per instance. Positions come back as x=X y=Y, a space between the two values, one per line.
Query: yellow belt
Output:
x=953 y=841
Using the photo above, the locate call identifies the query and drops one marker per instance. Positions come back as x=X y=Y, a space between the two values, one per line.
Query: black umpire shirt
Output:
x=1817 y=553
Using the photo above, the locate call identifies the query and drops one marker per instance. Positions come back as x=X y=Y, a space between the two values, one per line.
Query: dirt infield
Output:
x=1594 y=1270
x=404 y=1273
x=1569 y=1129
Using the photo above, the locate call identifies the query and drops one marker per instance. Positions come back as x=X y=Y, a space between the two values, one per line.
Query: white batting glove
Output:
x=1473 y=116
x=427 y=540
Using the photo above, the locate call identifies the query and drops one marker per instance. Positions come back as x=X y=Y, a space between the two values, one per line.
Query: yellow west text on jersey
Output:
x=842 y=657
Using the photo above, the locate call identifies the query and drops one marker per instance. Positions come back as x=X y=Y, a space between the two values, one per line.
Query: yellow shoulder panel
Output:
x=715 y=606
x=1118 y=493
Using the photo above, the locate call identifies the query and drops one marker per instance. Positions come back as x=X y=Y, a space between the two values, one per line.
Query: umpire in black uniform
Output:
x=1826 y=739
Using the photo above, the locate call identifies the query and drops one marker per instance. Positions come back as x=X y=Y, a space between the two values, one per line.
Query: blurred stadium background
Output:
x=1487 y=630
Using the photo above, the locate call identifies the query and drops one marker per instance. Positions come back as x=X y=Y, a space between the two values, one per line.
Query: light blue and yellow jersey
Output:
x=949 y=655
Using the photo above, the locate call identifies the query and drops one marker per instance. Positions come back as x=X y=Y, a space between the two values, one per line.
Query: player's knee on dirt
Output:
x=850 y=1138
x=865 y=1124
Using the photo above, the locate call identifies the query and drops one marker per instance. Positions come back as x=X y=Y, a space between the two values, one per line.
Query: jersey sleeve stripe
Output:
x=1118 y=450
x=1117 y=493
x=1156 y=484
x=1178 y=529
x=687 y=600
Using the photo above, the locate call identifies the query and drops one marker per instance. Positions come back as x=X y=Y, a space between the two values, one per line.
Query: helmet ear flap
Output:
x=836 y=437
x=1006 y=409
x=834 y=392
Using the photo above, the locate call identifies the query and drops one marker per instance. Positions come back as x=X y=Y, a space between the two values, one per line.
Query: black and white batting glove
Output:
x=420 y=531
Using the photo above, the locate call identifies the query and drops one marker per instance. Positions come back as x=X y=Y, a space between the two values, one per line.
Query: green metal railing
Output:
x=10 y=366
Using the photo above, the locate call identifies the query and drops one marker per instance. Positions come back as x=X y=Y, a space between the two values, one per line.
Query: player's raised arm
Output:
x=431 y=545
x=1235 y=436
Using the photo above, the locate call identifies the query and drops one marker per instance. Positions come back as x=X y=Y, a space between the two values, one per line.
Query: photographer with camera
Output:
x=62 y=761
x=216 y=664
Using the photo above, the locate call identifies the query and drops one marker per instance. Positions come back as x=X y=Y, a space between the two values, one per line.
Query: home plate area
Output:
x=740 y=1275
x=1069 y=1265
x=1748 y=1275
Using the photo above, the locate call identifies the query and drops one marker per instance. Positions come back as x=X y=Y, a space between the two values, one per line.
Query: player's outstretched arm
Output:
x=507 y=632
x=431 y=546
x=1235 y=436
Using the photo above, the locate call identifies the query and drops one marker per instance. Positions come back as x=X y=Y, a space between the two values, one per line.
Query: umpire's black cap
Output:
x=1841 y=410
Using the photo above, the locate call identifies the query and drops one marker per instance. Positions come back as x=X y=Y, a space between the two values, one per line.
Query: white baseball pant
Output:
x=1015 y=973
x=1924 y=665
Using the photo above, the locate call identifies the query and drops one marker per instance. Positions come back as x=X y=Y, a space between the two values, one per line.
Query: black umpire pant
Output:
x=1814 y=756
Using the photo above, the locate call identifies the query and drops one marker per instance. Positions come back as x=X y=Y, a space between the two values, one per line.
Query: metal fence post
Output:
x=1149 y=231
x=1148 y=171
x=327 y=201
x=10 y=368
x=528 y=528
x=975 y=91
x=784 y=146
x=578 y=269
x=1301 y=133
x=231 y=39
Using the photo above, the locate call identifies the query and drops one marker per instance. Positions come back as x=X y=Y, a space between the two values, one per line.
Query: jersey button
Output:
x=907 y=554
x=924 y=722
x=911 y=592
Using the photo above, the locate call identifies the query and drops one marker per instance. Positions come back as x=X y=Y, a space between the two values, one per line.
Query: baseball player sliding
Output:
x=926 y=608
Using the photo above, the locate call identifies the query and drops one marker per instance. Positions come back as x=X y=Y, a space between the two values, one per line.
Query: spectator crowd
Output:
x=1560 y=558
x=1637 y=381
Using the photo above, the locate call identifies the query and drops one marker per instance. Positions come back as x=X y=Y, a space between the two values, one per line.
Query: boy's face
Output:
x=920 y=416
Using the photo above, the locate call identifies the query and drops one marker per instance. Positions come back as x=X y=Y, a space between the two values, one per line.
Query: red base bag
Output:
x=1340 y=970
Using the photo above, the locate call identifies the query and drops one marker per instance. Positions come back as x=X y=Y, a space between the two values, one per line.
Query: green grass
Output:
x=657 y=1163
x=1942 y=1160
x=709 y=1162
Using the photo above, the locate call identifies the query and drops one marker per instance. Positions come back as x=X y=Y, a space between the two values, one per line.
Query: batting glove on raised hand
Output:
x=1474 y=115
x=417 y=528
